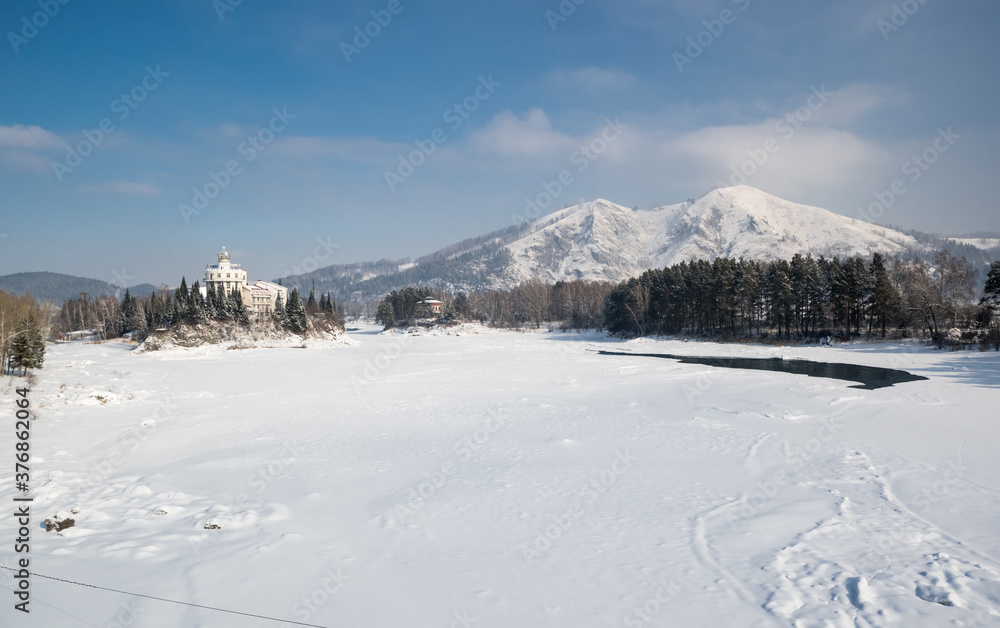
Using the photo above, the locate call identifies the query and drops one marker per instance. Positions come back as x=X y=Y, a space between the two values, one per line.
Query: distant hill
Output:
x=57 y=287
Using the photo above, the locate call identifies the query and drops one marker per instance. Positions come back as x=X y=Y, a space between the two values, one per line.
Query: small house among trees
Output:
x=436 y=307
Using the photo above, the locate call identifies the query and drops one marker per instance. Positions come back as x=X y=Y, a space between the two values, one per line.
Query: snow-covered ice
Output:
x=509 y=479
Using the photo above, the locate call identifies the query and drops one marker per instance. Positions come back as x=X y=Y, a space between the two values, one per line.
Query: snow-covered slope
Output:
x=602 y=240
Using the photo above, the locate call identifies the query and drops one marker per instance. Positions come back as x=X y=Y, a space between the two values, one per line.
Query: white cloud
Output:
x=506 y=134
x=24 y=160
x=852 y=102
x=23 y=147
x=817 y=162
x=30 y=137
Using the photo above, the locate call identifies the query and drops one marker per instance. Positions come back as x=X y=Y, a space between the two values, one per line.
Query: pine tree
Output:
x=181 y=294
x=239 y=311
x=991 y=291
x=166 y=311
x=211 y=304
x=885 y=298
x=196 y=306
x=36 y=344
x=296 y=313
x=19 y=353
x=223 y=305
x=386 y=313
x=179 y=312
x=989 y=304
x=27 y=349
x=128 y=310
x=280 y=313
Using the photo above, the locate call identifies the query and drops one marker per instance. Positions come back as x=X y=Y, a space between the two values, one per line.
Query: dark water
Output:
x=868 y=377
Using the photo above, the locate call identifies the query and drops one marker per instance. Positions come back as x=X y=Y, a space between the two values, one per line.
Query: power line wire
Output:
x=162 y=599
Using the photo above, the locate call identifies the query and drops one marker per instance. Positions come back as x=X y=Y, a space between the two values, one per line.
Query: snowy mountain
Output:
x=600 y=240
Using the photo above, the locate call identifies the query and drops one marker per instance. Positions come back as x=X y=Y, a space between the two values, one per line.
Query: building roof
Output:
x=270 y=285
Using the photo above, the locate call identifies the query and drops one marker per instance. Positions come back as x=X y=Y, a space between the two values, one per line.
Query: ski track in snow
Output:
x=755 y=498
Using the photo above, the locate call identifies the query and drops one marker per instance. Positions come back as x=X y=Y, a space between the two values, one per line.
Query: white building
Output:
x=228 y=275
x=258 y=298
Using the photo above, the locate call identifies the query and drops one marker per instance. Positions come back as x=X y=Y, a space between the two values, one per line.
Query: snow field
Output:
x=498 y=479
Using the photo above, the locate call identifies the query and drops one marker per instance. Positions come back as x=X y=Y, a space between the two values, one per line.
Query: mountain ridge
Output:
x=60 y=287
x=603 y=241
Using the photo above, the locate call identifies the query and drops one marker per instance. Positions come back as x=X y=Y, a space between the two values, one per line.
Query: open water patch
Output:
x=868 y=377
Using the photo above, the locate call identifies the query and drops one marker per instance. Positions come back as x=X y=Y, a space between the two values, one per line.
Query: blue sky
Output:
x=665 y=98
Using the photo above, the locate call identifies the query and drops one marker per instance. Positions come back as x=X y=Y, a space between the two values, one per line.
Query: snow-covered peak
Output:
x=601 y=240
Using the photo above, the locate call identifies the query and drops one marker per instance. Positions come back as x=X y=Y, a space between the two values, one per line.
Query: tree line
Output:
x=800 y=298
x=571 y=304
x=806 y=297
x=113 y=318
x=23 y=328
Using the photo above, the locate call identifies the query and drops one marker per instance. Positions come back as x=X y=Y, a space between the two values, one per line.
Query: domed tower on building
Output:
x=258 y=298
x=230 y=276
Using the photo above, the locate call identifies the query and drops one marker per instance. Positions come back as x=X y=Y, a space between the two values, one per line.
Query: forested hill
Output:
x=472 y=264
x=57 y=287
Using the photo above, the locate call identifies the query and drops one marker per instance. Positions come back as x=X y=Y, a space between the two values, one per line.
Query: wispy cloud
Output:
x=23 y=147
x=30 y=137
x=533 y=135
x=594 y=78
x=851 y=103
x=122 y=187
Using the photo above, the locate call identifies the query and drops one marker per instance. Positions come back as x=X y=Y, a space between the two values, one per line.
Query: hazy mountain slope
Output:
x=57 y=287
